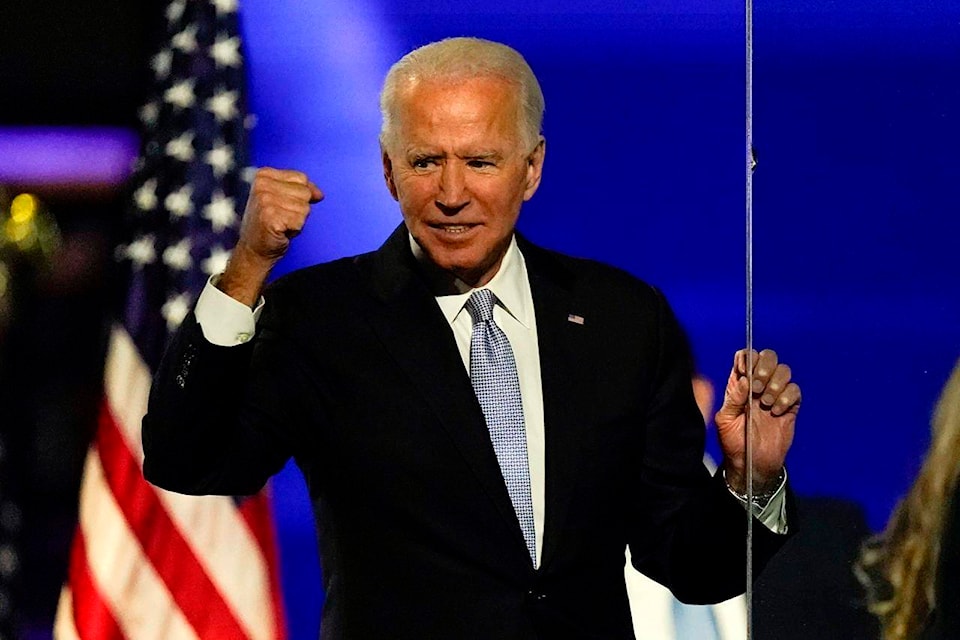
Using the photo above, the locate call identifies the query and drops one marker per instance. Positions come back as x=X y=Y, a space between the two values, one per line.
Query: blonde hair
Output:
x=899 y=566
x=460 y=59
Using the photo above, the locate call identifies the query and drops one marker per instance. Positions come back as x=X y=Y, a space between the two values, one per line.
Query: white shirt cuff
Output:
x=774 y=515
x=224 y=321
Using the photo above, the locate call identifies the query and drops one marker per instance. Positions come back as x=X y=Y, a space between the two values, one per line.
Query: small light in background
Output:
x=28 y=229
x=23 y=208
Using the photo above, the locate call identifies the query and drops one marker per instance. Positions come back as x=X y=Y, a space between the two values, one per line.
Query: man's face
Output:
x=460 y=172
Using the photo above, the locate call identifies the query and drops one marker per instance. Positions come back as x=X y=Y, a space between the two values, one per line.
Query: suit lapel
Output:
x=565 y=381
x=415 y=332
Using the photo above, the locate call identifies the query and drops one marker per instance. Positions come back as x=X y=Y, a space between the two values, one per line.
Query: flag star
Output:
x=220 y=158
x=180 y=202
x=223 y=105
x=149 y=113
x=226 y=51
x=9 y=561
x=161 y=63
x=220 y=212
x=175 y=10
x=225 y=6
x=248 y=174
x=174 y=310
x=250 y=121
x=146 y=195
x=186 y=40
x=181 y=94
x=177 y=256
x=141 y=251
x=181 y=147
x=217 y=262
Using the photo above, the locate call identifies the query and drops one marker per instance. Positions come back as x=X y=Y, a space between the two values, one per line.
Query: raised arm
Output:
x=218 y=406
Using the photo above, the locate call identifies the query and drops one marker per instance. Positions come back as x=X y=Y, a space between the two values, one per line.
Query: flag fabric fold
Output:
x=147 y=563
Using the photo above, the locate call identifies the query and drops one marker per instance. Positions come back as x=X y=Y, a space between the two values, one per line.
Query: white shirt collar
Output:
x=508 y=285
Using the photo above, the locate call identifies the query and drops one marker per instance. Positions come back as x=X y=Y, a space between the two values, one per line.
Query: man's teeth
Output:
x=455 y=228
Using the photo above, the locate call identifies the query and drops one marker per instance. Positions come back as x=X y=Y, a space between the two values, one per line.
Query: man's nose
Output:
x=453 y=195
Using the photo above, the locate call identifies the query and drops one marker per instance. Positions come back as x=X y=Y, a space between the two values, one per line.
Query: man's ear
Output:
x=535 y=168
x=388 y=173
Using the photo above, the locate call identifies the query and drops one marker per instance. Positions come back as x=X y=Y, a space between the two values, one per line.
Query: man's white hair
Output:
x=458 y=59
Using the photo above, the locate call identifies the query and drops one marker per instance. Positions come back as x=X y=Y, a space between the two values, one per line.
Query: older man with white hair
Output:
x=484 y=425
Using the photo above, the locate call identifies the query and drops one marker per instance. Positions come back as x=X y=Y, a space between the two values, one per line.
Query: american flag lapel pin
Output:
x=575 y=319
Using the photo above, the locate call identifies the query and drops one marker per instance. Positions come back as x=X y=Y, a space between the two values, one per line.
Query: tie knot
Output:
x=480 y=305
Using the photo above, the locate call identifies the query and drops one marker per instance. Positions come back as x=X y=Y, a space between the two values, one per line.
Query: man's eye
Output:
x=480 y=164
x=423 y=163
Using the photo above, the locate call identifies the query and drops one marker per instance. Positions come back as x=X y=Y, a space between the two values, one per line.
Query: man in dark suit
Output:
x=483 y=425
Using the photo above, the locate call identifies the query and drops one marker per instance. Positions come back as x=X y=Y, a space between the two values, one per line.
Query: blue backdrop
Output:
x=857 y=120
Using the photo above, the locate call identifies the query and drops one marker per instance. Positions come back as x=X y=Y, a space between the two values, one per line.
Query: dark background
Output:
x=857 y=126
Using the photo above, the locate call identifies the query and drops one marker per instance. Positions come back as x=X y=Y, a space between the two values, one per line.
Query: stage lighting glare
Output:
x=19 y=233
x=23 y=208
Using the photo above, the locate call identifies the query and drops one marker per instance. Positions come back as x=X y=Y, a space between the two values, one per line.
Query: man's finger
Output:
x=775 y=386
x=284 y=221
x=744 y=361
x=292 y=191
x=283 y=175
x=787 y=401
x=735 y=395
x=315 y=194
x=274 y=204
x=765 y=365
x=285 y=188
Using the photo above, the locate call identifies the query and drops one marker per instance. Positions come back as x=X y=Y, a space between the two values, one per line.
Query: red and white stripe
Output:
x=150 y=564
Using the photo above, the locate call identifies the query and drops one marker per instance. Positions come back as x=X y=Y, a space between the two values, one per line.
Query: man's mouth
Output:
x=453 y=228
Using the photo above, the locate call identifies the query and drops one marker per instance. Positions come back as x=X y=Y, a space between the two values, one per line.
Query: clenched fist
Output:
x=277 y=209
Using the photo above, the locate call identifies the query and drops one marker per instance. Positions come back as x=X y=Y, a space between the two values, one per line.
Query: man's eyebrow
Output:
x=415 y=150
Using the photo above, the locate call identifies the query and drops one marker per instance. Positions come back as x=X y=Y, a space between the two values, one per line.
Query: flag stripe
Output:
x=219 y=536
x=120 y=570
x=211 y=525
x=259 y=518
x=126 y=385
x=196 y=596
x=64 y=627
x=93 y=619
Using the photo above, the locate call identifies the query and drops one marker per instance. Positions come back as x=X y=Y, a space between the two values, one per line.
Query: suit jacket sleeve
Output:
x=687 y=525
x=221 y=419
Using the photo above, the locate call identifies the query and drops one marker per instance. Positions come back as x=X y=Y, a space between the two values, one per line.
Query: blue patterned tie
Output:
x=493 y=373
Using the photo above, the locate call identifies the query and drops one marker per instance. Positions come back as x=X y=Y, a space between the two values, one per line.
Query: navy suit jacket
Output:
x=356 y=374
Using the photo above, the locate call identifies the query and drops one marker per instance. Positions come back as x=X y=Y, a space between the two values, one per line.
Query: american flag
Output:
x=146 y=563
